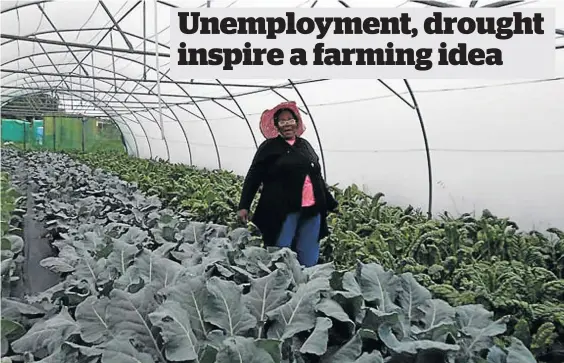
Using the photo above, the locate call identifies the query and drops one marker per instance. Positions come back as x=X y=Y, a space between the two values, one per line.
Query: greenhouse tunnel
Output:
x=439 y=145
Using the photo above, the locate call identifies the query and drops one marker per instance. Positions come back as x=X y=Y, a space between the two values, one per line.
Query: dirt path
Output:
x=36 y=278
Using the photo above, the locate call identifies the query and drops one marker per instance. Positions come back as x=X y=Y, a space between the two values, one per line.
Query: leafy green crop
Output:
x=141 y=283
x=11 y=251
x=11 y=234
x=463 y=260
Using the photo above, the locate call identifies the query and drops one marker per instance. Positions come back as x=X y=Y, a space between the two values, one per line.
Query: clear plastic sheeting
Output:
x=456 y=145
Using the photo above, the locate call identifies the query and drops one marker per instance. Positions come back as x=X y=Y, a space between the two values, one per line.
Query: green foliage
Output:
x=11 y=233
x=9 y=196
x=203 y=195
x=462 y=260
x=11 y=251
x=141 y=283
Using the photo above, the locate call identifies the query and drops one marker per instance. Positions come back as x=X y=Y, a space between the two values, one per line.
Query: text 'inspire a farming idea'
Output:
x=418 y=39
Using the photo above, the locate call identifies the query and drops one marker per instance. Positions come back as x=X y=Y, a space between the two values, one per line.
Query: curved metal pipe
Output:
x=427 y=151
x=107 y=94
x=101 y=109
x=240 y=109
x=314 y=127
x=23 y=5
x=204 y=118
x=86 y=85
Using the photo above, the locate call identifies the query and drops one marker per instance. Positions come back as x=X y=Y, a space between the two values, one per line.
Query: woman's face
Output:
x=287 y=125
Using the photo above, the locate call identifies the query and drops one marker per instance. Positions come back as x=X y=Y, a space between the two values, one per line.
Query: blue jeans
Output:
x=306 y=233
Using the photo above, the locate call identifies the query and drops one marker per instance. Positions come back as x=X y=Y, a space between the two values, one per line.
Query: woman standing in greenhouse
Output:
x=294 y=202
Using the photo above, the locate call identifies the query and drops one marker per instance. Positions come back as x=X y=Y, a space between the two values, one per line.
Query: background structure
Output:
x=456 y=145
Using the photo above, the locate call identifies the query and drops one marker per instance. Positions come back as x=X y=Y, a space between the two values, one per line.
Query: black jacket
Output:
x=281 y=168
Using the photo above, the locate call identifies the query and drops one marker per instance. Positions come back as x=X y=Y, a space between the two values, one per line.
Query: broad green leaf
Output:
x=5 y=266
x=194 y=232
x=133 y=236
x=351 y=287
x=4 y=346
x=319 y=276
x=254 y=259
x=518 y=353
x=224 y=308
x=316 y=343
x=378 y=286
x=192 y=295
x=368 y=334
x=6 y=255
x=93 y=241
x=84 y=350
x=497 y=355
x=239 y=349
x=165 y=249
x=410 y=346
x=127 y=315
x=122 y=256
x=266 y=294
x=8 y=327
x=91 y=316
x=295 y=316
x=12 y=309
x=436 y=318
x=350 y=297
x=180 y=343
x=348 y=353
x=62 y=355
x=478 y=327
x=286 y=258
x=411 y=295
x=16 y=243
x=333 y=309
x=271 y=346
x=6 y=245
x=72 y=353
x=120 y=350
x=375 y=318
x=152 y=269
x=48 y=334
x=215 y=338
x=57 y=265
x=91 y=270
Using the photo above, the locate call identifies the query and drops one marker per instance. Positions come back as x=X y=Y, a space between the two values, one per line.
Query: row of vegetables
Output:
x=143 y=283
x=466 y=259
x=123 y=243
x=11 y=234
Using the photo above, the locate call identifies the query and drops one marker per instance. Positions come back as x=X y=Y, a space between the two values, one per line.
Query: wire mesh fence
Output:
x=63 y=133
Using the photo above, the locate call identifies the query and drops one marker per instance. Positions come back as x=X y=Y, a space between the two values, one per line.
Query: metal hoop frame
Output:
x=113 y=107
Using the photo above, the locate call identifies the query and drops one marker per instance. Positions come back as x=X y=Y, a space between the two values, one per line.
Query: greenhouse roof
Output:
x=109 y=59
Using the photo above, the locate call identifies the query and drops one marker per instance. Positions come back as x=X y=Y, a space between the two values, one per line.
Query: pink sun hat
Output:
x=267 y=126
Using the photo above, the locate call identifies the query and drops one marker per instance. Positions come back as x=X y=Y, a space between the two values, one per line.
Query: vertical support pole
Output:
x=72 y=93
x=54 y=133
x=427 y=152
x=25 y=133
x=144 y=40
x=93 y=77
x=113 y=61
x=83 y=121
x=158 y=72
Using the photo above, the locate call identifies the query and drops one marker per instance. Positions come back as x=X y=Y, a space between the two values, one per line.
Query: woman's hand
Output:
x=243 y=215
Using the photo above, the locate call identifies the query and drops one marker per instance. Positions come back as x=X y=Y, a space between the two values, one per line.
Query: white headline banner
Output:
x=362 y=43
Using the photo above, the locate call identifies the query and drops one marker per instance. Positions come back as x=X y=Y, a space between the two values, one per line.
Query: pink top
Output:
x=307 y=192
